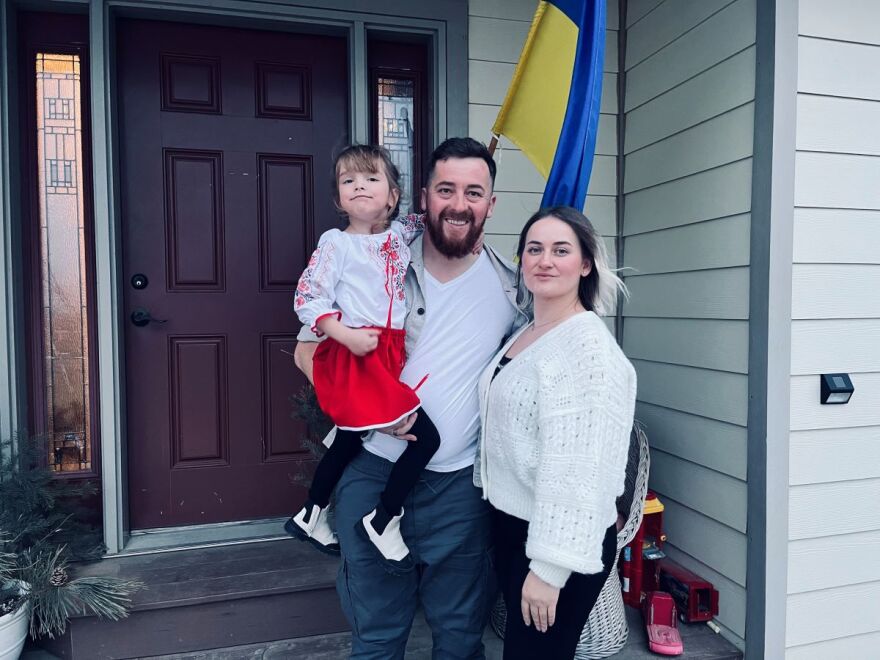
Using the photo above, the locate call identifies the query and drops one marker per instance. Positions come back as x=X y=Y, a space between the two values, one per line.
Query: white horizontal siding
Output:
x=826 y=123
x=832 y=561
x=834 y=68
x=822 y=346
x=834 y=451
x=849 y=291
x=832 y=614
x=841 y=20
x=841 y=507
x=857 y=646
x=836 y=454
x=690 y=89
x=836 y=236
x=842 y=181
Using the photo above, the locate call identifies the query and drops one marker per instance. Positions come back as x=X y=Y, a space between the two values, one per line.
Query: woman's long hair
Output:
x=598 y=291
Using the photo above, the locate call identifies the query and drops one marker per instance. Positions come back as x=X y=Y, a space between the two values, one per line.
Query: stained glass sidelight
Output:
x=395 y=114
x=63 y=262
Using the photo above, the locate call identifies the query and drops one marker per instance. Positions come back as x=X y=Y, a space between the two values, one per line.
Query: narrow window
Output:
x=63 y=296
x=396 y=98
x=400 y=114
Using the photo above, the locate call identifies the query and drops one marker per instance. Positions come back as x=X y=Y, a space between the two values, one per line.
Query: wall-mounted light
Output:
x=836 y=388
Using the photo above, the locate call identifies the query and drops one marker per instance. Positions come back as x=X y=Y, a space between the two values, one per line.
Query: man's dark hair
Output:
x=461 y=147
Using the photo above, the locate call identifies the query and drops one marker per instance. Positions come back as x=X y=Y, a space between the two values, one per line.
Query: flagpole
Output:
x=493 y=144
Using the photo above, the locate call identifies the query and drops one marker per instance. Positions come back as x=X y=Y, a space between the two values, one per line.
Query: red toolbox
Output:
x=696 y=598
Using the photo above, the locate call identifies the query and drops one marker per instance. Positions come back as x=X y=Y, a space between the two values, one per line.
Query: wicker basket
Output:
x=605 y=632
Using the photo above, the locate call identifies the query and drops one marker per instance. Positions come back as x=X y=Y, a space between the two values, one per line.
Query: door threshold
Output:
x=174 y=539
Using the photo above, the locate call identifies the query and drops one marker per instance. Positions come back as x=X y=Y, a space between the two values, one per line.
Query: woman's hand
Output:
x=538 y=602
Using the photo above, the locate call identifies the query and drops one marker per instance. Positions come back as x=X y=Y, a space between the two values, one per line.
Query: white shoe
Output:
x=310 y=524
x=389 y=544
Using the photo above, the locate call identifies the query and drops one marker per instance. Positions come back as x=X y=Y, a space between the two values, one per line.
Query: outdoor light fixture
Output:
x=836 y=388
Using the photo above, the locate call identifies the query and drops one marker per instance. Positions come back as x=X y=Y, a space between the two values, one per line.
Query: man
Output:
x=461 y=306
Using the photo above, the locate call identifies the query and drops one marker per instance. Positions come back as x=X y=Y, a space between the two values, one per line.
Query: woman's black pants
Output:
x=576 y=598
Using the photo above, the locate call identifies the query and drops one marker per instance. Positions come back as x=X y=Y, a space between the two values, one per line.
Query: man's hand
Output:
x=400 y=430
x=478 y=246
x=538 y=602
x=303 y=355
x=360 y=341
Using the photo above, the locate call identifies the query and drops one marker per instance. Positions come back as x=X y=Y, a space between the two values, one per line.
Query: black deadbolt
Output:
x=139 y=281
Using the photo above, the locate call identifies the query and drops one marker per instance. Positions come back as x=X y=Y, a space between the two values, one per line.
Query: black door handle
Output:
x=141 y=317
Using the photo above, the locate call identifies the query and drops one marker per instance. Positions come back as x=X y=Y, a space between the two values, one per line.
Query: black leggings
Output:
x=576 y=598
x=404 y=474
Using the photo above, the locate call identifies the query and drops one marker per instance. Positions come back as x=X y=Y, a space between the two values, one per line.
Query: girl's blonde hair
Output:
x=367 y=158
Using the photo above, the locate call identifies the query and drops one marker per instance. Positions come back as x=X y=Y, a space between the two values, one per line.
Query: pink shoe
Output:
x=661 y=621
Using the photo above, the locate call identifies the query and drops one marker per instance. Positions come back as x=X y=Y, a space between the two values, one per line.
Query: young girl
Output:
x=352 y=291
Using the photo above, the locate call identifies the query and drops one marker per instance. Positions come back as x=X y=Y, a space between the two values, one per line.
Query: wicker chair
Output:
x=606 y=631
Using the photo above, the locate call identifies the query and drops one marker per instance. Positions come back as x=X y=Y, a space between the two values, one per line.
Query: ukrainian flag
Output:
x=551 y=111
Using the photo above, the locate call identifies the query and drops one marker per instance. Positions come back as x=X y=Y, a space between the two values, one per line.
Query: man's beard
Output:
x=454 y=248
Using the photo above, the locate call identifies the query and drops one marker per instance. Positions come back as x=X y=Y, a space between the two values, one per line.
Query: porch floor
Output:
x=700 y=643
x=265 y=591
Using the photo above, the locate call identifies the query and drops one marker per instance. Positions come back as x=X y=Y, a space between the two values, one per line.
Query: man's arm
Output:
x=303 y=355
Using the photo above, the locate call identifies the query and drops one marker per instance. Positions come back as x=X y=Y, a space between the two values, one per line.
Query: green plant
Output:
x=306 y=408
x=43 y=531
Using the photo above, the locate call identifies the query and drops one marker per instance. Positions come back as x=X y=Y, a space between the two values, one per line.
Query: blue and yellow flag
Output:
x=551 y=110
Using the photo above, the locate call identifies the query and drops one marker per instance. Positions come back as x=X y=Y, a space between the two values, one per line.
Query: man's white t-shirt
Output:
x=465 y=322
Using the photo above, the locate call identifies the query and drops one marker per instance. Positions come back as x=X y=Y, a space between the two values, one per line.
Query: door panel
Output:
x=224 y=133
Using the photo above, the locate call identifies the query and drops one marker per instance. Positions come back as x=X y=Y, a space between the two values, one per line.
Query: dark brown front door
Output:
x=227 y=138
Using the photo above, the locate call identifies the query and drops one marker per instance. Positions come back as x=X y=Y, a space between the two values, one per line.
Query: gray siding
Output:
x=497 y=31
x=690 y=89
x=834 y=520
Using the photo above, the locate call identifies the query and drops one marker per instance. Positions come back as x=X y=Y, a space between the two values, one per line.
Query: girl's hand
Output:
x=538 y=602
x=361 y=341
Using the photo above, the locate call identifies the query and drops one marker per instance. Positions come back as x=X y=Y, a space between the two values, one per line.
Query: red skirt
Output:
x=364 y=392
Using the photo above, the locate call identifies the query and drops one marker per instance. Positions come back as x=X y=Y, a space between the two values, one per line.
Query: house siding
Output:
x=834 y=465
x=496 y=33
x=689 y=104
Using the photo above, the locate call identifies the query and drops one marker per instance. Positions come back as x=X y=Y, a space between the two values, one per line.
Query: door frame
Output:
x=444 y=23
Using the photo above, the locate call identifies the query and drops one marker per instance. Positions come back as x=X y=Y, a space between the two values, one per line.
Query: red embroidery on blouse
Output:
x=315 y=271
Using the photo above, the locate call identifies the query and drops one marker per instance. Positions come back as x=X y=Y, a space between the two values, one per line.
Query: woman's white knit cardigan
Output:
x=555 y=435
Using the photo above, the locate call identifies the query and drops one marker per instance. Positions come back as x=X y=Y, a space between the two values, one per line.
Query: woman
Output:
x=557 y=408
